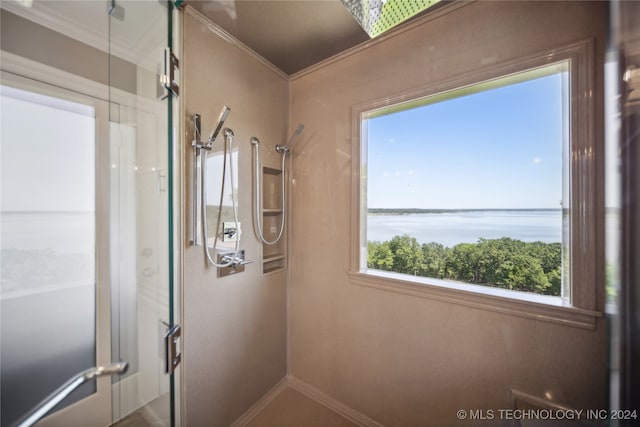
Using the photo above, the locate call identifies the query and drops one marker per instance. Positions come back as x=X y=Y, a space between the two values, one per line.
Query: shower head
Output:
x=221 y=118
x=285 y=148
x=296 y=134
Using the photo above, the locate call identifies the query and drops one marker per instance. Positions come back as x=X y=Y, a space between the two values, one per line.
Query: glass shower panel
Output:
x=47 y=246
x=140 y=288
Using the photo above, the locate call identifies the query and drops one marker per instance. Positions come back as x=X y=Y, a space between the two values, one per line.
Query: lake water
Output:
x=451 y=228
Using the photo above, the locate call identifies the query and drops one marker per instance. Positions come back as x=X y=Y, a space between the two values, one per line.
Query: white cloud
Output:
x=537 y=160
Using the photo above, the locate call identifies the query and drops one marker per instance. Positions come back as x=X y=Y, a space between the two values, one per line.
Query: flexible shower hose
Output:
x=257 y=203
x=203 y=195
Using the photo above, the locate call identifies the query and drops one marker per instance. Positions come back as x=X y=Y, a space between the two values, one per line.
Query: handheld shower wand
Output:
x=296 y=133
x=286 y=148
x=197 y=143
x=228 y=260
x=221 y=119
x=199 y=175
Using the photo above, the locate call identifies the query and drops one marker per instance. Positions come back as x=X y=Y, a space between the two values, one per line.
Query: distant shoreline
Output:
x=410 y=211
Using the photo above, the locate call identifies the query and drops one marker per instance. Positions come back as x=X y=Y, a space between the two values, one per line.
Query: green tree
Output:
x=462 y=264
x=435 y=260
x=505 y=262
x=379 y=256
x=522 y=272
x=407 y=255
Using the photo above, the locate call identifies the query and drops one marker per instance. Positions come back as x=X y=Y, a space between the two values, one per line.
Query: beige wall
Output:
x=234 y=327
x=404 y=360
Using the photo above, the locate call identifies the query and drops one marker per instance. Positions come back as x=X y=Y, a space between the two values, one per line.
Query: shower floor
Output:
x=291 y=408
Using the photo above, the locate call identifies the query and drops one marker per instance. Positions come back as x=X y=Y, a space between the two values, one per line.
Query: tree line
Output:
x=503 y=263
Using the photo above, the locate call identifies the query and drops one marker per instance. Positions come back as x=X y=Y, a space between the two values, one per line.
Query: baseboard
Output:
x=331 y=403
x=257 y=407
x=520 y=398
x=525 y=401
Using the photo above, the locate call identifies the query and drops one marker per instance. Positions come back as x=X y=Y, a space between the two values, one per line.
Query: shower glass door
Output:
x=85 y=220
x=54 y=303
x=141 y=276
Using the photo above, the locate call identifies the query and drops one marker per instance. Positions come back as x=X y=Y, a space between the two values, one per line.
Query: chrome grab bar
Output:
x=57 y=396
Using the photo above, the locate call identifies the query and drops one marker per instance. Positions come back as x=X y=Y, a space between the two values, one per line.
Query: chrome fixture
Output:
x=284 y=150
x=58 y=395
x=197 y=130
x=168 y=78
x=231 y=230
x=378 y=16
x=228 y=136
x=199 y=145
x=113 y=9
x=171 y=356
x=235 y=263
x=221 y=119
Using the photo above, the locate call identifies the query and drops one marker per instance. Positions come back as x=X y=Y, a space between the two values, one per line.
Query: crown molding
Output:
x=47 y=15
x=220 y=32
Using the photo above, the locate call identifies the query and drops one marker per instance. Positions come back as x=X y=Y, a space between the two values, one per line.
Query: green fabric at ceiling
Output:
x=379 y=16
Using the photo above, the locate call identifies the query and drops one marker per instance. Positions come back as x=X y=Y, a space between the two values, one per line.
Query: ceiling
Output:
x=292 y=34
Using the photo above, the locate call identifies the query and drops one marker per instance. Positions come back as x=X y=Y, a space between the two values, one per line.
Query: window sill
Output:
x=521 y=304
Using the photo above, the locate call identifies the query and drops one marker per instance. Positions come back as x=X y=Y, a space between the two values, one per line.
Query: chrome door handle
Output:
x=76 y=381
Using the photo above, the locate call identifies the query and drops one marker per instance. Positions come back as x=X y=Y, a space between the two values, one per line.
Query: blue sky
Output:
x=501 y=148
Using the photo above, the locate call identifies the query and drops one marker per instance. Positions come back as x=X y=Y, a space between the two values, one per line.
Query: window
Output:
x=483 y=185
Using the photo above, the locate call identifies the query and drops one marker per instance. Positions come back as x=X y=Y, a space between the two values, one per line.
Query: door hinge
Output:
x=171 y=356
x=168 y=79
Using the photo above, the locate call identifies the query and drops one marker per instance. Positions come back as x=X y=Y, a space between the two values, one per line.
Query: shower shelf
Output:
x=266 y=269
x=271 y=211
x=273 y=263
x=274 y=257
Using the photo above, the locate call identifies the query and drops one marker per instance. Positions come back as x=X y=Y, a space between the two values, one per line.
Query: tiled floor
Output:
x=134 y=420
x=289 y=409
x=153 y=414
x=293 y=409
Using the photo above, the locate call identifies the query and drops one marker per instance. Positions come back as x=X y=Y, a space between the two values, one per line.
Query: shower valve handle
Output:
x=236 y=261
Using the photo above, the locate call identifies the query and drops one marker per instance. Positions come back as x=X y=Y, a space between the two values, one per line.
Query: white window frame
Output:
x=585 y=199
